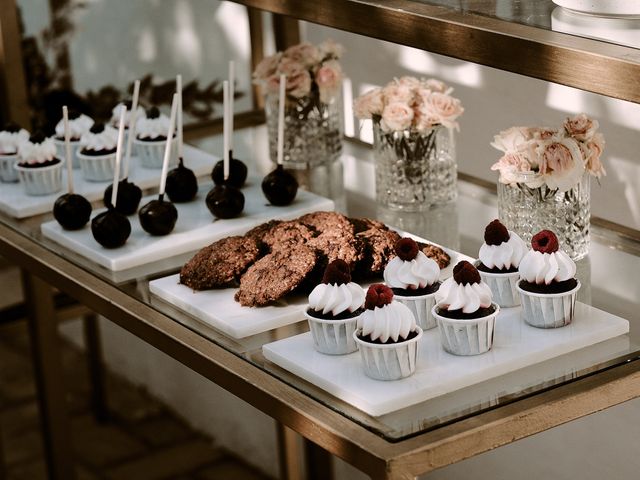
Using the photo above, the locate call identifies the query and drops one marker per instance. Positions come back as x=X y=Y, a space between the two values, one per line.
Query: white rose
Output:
x=396 y=116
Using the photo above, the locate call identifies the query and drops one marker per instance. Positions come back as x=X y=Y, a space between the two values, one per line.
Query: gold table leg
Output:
x=48 y=376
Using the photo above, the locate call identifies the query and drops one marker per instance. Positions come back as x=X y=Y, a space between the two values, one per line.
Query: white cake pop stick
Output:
x=67 y=148
x=232 y=88
x=132 y=127
x=225 y=129
x=179 y=118
x=167 y=149
x=281 y=99
x=116 y=169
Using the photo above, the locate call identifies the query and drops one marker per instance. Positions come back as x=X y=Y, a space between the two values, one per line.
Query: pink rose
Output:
x=592 y=152
x=368 y=104
x=436 y=86
x=511 y=167
x=396 y=116
x=267 y=67
x=581 y=127
x=511 y=139
x=406 y=81
x=544 y=133
x=330 y=49
x=560 y=162
x=396 y=93
x=442 y=107
x=329 y=78
x=298 y=79
x=304 y=54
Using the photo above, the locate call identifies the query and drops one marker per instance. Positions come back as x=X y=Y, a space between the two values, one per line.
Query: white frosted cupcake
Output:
x=151 y=138
x=387 y=336
x=414 y=279
x=334 y=308
x=10 y=140
x=39 y=170
x=98 y=154
x=79 y=124
x=465 y=312
x=115 y=117
x=547 y=286
x=498 y=261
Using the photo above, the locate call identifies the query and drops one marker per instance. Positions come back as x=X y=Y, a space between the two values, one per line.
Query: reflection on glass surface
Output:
x=623 y=31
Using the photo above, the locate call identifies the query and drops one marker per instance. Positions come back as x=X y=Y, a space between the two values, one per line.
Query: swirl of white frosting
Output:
x=393 y=321
x=152 y=127
x=115 y=115
x=10 y=141
x=538 y=267
x=104 y=140
x=34 y=153
x=336 y=298
x=470 y=297
x=77 y=127
x=504 y=256
x=420 y=272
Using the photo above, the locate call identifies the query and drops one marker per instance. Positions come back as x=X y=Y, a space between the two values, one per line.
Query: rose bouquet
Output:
x=545 y=180
x=413 y=122
x=557 y=158
x=312 y=119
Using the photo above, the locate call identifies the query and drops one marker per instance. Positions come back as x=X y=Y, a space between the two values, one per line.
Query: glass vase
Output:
x=527 y=210
x=415 y=170
x=312 y=131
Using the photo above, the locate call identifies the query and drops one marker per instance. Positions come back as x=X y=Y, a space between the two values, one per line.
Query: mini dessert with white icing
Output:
x=38 y=167
x=414 y=279
x=153 y=126
x=11 y=137
x=384 y=327
x=115 y=114
x=79 y=124
x=37 y=152
x=100 y=140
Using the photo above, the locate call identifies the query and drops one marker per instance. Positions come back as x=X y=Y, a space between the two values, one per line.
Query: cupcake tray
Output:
x=516 y=345
x=16 y=203
x=195 y=228
x=218 y=309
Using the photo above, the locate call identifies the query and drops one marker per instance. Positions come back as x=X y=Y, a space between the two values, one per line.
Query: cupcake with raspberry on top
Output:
x=387 y=336
x=39 y=170
x=334 y=308
x=98 y=154
x=547 y=286
x=10 y=139
x=79 y=124
x=465 y=312
x=414 y=279
x=498 y=261
x=151 y=138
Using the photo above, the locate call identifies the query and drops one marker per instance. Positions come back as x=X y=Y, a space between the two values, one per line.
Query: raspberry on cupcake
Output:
x=414 y=279
x=547 y=286
x=387 y=336
x=334 y=308
x=499 y=257
x=465 y=311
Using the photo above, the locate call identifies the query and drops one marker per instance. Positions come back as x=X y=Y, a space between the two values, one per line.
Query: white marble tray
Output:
x=516 y=346
x=195 y=228
x=218 y=309
x=14 y=202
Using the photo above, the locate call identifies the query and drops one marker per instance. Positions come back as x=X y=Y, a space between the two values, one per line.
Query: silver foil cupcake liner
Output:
x=97 y=168
x=41 y=181
x=8 y=173
x=467 y=337
x=504 y=287
x=552 y=310
x=151 y=154
x=391 y=361
x=421 y=307
x=62 y=153
x=333 y=337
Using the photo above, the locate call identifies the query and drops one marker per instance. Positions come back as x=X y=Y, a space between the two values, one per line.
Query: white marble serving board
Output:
x=218 y=309
x=516 y=346
x=195 y=228
x=14 y=202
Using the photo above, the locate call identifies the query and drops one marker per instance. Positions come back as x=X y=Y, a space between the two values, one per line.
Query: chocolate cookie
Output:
x=441 y=257
x=328 y=222
x=379 y=249
x=363 y=224
x=260 y=231
x=285 y=233
x=275 y=275
x=220 y=264
x=334 y=245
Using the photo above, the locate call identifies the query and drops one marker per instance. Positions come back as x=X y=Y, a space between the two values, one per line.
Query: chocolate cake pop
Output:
x=225 y=201
x=158 y=217
x=71 y=211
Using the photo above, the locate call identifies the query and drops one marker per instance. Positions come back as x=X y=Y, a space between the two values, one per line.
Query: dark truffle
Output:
x=72 y=211
x=237 y=173
x=337 y=272
x=280 y=187
x=407 y=249
x=496 y=233
x=465 y=273
x=378 y=295
x=158 y=217
x=225 y=201
x=182 y=184
x=129 y=196
x=111 y=229
x=545 y=241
